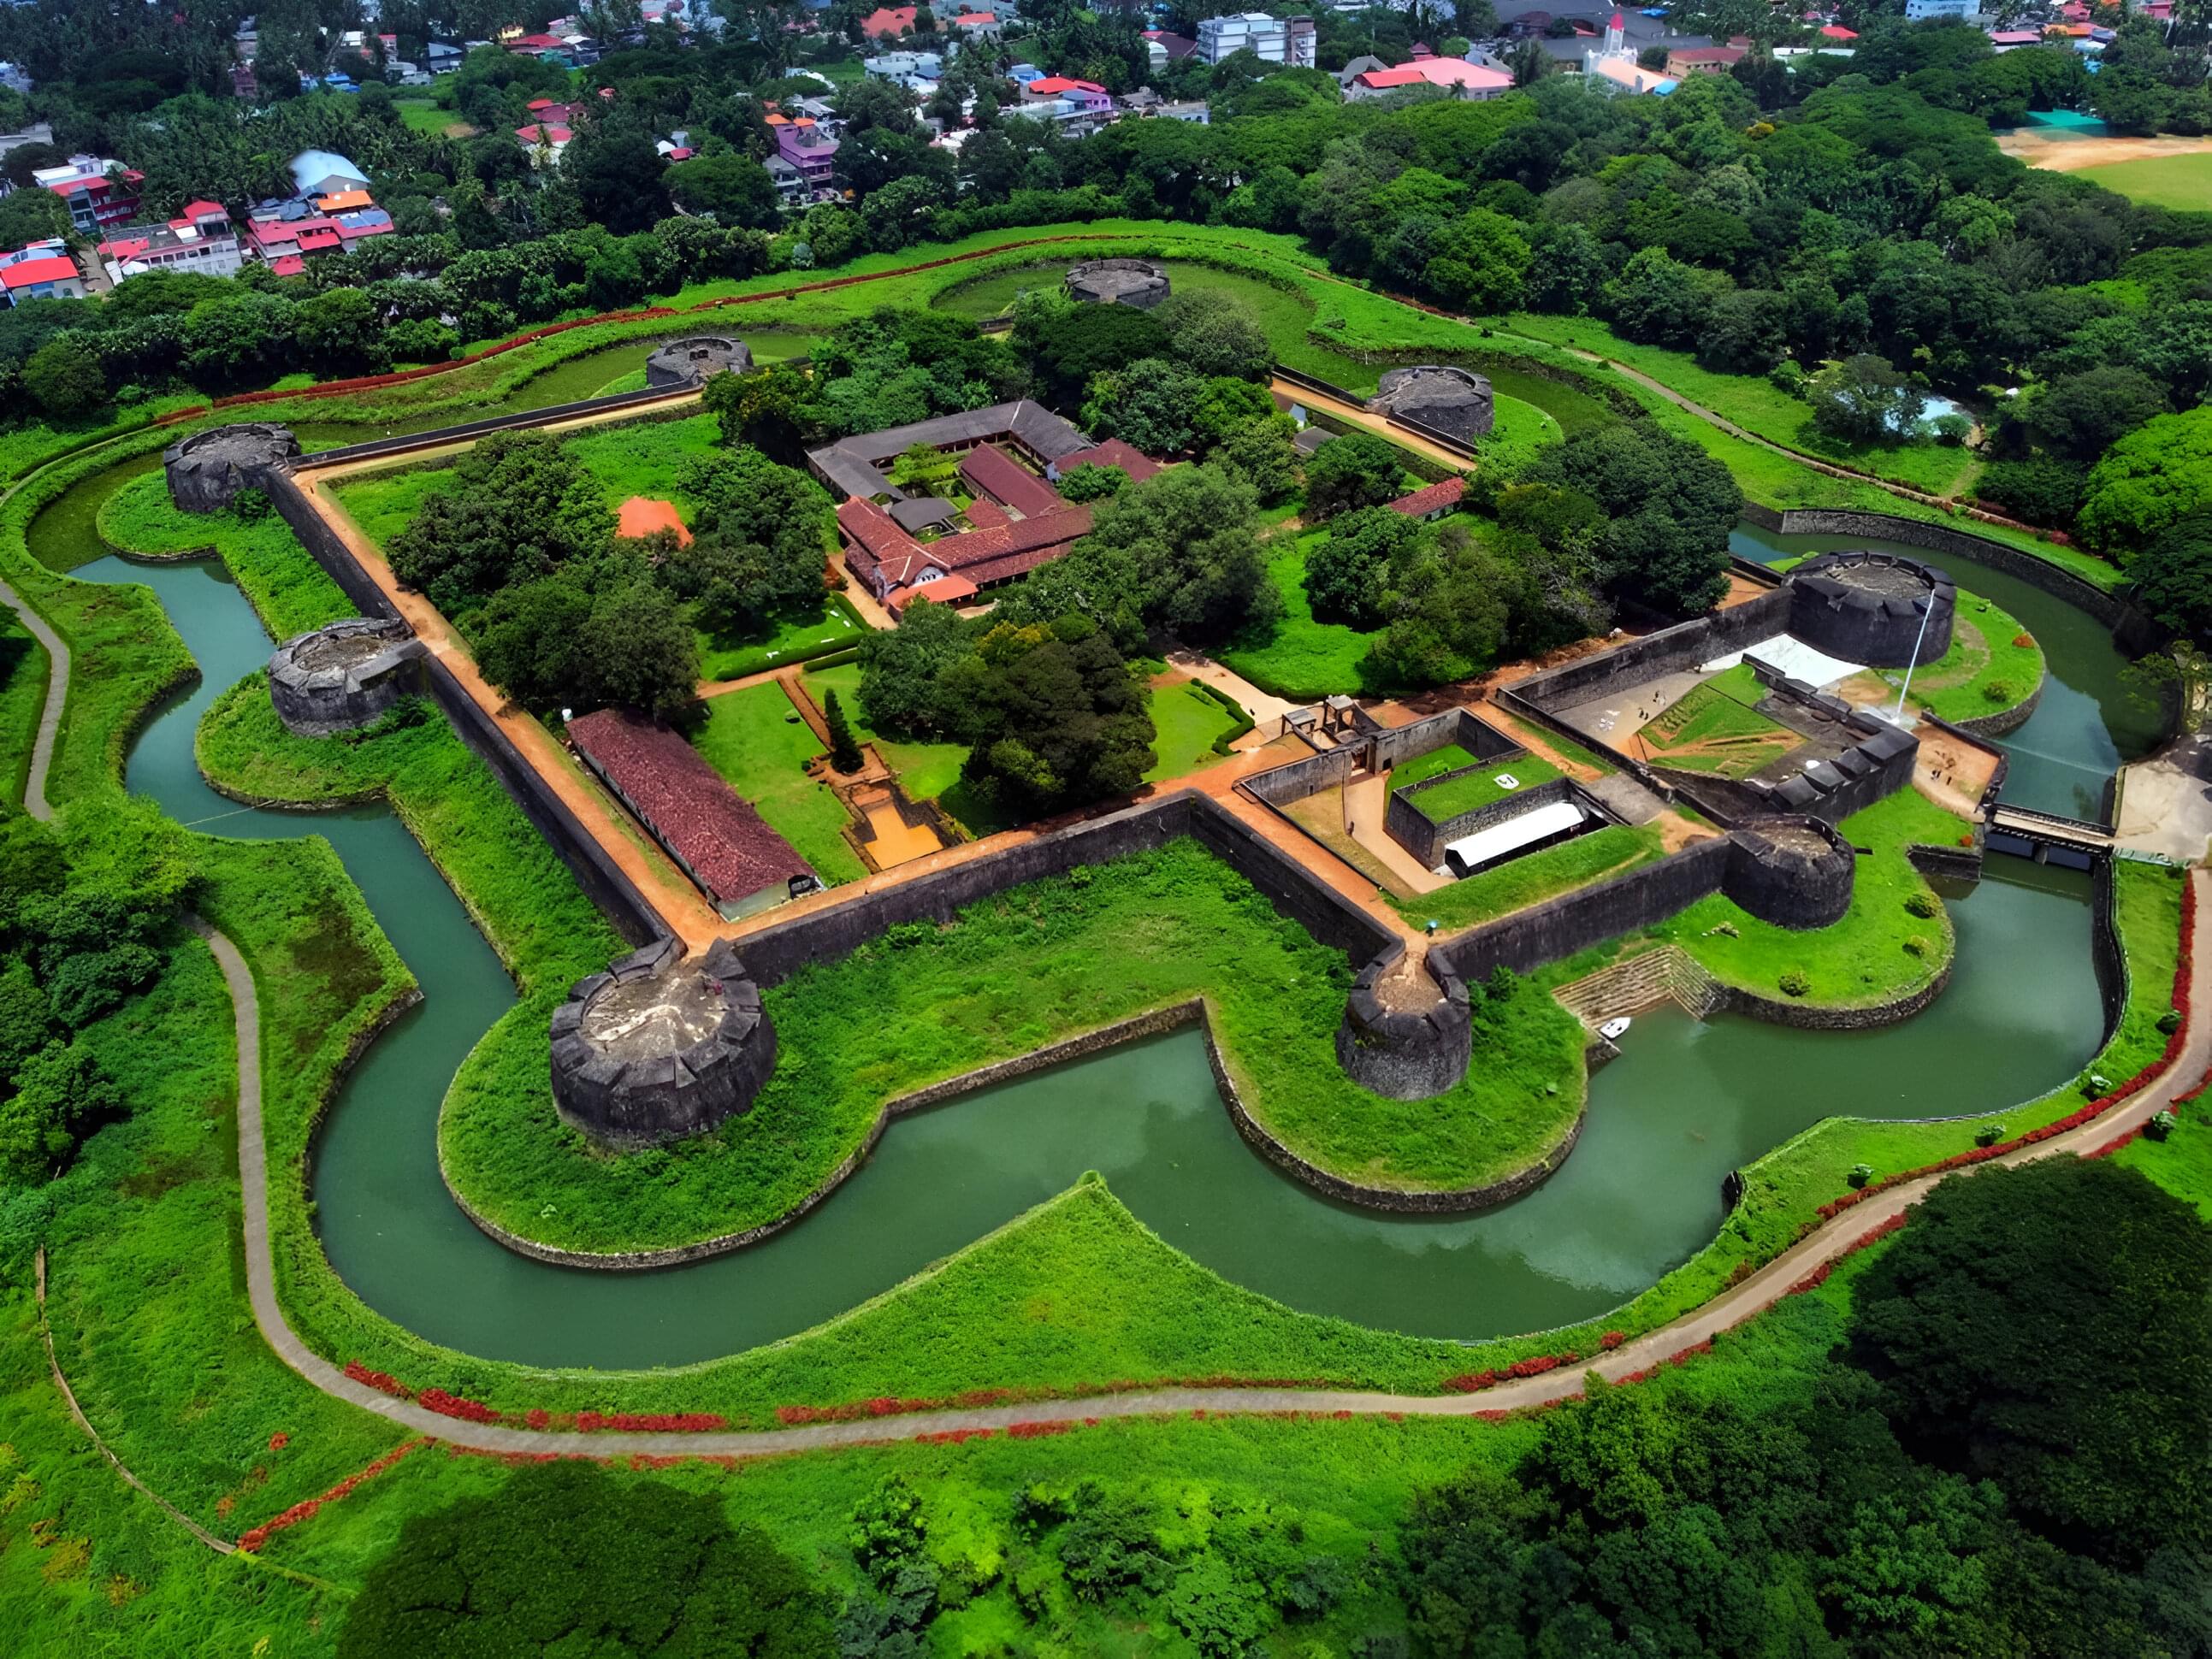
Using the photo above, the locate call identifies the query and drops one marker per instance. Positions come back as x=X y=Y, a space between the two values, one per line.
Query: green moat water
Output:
x=1687 y=1102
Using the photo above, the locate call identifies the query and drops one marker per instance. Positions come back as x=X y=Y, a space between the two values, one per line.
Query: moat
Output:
x=1686 y=1104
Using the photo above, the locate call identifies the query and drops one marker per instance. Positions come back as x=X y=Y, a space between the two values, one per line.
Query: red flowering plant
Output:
x=253 y=1538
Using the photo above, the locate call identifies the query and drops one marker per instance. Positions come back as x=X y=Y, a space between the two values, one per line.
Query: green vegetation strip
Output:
x=1441 y=802
x=288 y=590
x=1009 y=974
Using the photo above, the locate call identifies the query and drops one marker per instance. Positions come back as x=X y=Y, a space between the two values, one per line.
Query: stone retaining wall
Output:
x=1425 y=838
x=1669 y=651
x=1548 y=932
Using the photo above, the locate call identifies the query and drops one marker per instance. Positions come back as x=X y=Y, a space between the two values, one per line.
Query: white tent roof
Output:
x=1794 y=657
x=1515 y=832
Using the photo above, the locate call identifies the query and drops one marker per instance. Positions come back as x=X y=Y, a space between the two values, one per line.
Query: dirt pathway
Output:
x=681 y=905
x=1354 y=415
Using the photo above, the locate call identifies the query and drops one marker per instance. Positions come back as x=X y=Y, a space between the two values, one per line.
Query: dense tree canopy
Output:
x=518 y=506
x=1666 y=508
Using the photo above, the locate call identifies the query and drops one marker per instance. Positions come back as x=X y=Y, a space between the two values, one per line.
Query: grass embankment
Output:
x=23 y=671
x=288 y=590
x=756 y=740
x=1437 y=761
x=1601 y=856
x=1186 y=723
x=1993 y=665
x=1715 y=728
x=1040 y=962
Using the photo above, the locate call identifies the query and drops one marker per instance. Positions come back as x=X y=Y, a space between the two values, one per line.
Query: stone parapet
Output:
x=344 y=675
x=206 y=470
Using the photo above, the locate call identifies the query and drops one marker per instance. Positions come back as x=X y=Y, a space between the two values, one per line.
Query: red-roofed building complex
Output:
x=98 y=192
x=41 y=271
x=1016 y=522
x=200 y=238
x=713 y=834
x=888 y=23
x=287 y=235
x=1474 y=82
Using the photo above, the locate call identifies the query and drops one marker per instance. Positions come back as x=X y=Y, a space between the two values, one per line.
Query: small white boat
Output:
x=1613 y=1029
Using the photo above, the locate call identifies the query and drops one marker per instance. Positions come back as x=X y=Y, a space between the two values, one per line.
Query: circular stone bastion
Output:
x=1406 y=1034
x=658 y=1048
x=1456 y=401
x=1138 y=283
x=1792 y=870
x=342 y=676
x=206 y=469
x=682 y=362
x=1867 y=608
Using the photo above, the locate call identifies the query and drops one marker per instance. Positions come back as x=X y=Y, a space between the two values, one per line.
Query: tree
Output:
x=767 y=408
x=32 y=215
x=1226 y=406
x=617 y=176
x=519 y=506
x=1667 y=508
x=2047 y=1326
x=2173 y=579
x=844 y=752
x=1090 y=481
x=1862 y=400
x=1067 y=347
x=2041 y=489
x=64 y=377
x=745 y=498
x=1264 y=455
x=1348 y=576
x=2080 y=415
x=901 y=668
x=1213 y=333
x=1053 y=716
x=565 y=1557
x=731 y=188
x=61 y=1094
x=2147 y=482
x=1661 y=300
x=1352 y=471
x=1147 y=405
x=1478 y=263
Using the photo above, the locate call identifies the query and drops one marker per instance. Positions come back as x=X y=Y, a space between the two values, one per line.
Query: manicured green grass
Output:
x=288 y=591
x=2183 y=182
x=784 y=638
x=23 y=669
x=1045 y=959
x=1987 y=669
x=426 y=118
x=925 y=770
x=1441 y=802
x=384 y=503
x=1437 y=761
x=1601 y=856
x=1296 y=657
x=1867 y=957
x=2182 y=1163
x=755 y=739
x=1185 y=722
x=1714 y=729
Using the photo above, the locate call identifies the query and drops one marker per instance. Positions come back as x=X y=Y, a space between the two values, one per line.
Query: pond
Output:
x=1686 y=1104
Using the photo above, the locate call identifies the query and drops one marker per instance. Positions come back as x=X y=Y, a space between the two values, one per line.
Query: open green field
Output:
x=1993 y=664
x=1441 y=802
x=784 y=638
x=925 y=770
x=2181 y=182
x=1296 y=656
x=1601 y=856
x=1185 y=723
x=433 y=120
x=1435 y=763
x=755 y=739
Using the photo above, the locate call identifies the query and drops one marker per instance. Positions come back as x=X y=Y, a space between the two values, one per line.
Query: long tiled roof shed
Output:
x=711 y=832
x=854 y=464
x=1002 y=477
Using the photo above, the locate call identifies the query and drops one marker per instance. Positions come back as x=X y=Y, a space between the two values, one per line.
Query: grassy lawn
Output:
x=1050 y=957
x=1187 y=722
x=756 y=740
x=1878 y=951
x=22 y=699
x=1760 y=407
x=925 y=770
x=2183 y=182
x=1435 y=763
x=787 y=638
x=1296 y=657
x=431 y=119
x=1987 y=669
x=643 y=457
x=384 y=503
x=1439 y=803
x=2183 y=1163
x=1519 y=883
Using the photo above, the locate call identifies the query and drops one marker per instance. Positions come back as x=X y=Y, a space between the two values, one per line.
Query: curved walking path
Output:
x=1832 y=1239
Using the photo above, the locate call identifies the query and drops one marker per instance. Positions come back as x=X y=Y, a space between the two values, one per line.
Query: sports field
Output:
x=2167 y=181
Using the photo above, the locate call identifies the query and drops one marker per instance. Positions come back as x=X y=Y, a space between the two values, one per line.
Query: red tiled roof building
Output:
x=715 y=834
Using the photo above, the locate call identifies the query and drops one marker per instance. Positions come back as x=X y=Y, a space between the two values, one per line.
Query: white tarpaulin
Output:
x=1794 y=657
x=1517 y=831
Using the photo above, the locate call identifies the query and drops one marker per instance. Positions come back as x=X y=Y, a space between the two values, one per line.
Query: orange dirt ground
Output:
x=641 y=515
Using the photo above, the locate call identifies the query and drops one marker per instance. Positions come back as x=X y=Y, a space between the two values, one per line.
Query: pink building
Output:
x=1472 y=81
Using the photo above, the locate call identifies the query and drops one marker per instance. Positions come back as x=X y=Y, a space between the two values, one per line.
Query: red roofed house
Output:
x=41 y=271
x=1474 y=82
x=1112 y=452
x=284 y=234
x=1436 y=501
x=714 y=835
x=888 y=23
x=200 y=238
x=94 y=201
x=1838 y=31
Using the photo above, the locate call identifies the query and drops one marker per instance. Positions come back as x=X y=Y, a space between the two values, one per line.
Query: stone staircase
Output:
x=1665 y=974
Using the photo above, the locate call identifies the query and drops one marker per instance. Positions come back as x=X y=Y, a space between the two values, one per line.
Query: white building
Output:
x=1278 y=39
x=41 y=271
x=1915 y=10
x=906 y=68
x=201 y=239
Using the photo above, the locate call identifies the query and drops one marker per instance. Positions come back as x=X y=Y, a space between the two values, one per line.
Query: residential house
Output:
x=888 y=23
x=41 y=271
x=2005 y=40
x=325 y=173
x=1077 y=108
x=1686 y=61
x=1196 y=111
x=285 y=235
x=1358 y=66
x=98 y=190
x=15 y=78
x=1163 y=48
x=1288 y=40
x=201 y=239
x=978 y=25
x=1613 y=68
x=35 y=132
x=1438 y=500
x=1472 y=83
x=910 y=69
x=801 y=144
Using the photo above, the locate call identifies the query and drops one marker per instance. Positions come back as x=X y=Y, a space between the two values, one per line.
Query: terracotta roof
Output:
x=203 y=209
x=289 y=265
x=730 y=849
x=1422 y=502
x=887 y=19
x=1002 y=477
x=948 y=589
x=986 y=514
x=340 y=201
x=1112 y=452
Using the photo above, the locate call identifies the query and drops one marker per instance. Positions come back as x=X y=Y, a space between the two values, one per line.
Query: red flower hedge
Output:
x=382 y=1381
x=451 y=1405
x=649 y=1422
x=279 y=1440
x=1535 y=1365
x=254 y=1540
